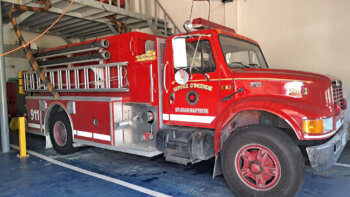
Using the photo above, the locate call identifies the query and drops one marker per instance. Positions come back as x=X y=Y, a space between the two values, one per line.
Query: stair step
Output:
x=161 y=26
x=138 y=25
x=159 y=21
x=162 y=29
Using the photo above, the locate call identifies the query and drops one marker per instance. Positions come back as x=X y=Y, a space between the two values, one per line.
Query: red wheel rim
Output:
x=60 y=133
x=258 y=167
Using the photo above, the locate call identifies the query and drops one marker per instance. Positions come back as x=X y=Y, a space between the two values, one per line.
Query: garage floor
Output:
x=98 y=172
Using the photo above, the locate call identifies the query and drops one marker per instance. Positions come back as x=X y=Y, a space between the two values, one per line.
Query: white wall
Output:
x=14 y=65
x=230 y=11
x=303 y=35
x=45 y=41
x=179 y=10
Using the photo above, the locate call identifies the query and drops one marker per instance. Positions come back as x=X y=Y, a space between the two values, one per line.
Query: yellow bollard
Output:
x=20 y=82
x=22 y=138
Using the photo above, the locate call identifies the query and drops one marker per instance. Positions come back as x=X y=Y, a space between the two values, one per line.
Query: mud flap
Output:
x=217 y=166
x=47 y=142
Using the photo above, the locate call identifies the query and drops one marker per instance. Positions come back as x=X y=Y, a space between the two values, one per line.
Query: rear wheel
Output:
x=262 y=161
x=61 y=133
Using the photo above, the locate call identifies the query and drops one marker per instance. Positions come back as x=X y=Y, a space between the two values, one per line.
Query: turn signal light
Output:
x=337 y=109
x=313 y=126
x=345 y=104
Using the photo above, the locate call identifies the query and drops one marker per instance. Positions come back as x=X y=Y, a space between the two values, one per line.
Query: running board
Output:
x=135 y=150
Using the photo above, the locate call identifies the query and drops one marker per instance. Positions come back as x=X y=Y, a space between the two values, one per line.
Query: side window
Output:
x=203 y=59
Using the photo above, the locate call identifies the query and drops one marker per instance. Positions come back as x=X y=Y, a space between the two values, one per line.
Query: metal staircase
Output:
x=88 y=18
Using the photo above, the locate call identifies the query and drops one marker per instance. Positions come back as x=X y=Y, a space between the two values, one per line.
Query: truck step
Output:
x=138 y=150
x=178 y=160
x=178 y=145
x=179 y=140
x=184 y=145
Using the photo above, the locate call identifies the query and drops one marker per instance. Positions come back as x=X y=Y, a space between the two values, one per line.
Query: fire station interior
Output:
x=174 y=98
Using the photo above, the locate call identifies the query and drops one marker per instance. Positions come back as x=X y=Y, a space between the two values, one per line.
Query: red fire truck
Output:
x=203 y=94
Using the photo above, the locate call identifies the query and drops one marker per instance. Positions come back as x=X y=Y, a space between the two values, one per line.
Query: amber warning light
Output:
x=200 y=23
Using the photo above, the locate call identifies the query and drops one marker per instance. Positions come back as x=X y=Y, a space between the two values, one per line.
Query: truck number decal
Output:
x=34 y=114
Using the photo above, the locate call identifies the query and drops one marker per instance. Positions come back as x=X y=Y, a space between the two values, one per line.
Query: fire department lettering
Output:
x=191 y=110
x=180 y=87
x=193 y=85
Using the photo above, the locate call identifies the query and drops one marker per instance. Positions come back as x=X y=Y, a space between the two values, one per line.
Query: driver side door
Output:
x=196 y=102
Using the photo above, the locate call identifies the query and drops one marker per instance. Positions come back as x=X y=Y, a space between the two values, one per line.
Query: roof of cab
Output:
x=217 y=31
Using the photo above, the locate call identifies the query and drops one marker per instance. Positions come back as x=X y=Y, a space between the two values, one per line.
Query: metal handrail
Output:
x=146 y=14
x=176 y=27
x=166 y=16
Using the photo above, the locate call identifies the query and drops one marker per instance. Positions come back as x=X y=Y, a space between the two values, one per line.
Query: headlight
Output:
x=317 y=126
x=328 y=124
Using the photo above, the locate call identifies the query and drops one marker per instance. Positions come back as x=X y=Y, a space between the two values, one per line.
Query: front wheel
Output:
x=61 y=133
x=262 y=161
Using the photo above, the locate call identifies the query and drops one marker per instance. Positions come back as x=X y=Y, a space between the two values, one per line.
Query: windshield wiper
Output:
x=255 y=65
x=240 y=63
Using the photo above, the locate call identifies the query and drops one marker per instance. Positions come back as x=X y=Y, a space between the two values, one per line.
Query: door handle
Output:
x=164 y=77
x=131 y=40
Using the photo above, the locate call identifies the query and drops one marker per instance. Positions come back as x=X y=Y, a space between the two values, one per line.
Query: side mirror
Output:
x=181 y=77
x=179 y=53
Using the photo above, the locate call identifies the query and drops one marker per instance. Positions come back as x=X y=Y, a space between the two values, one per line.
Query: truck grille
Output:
x=337 y=92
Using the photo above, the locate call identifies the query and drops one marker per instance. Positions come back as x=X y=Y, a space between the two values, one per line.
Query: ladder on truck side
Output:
x=111 y=77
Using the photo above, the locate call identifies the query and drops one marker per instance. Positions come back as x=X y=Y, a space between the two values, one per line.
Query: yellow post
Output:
x=20 y=82
x=22 y=138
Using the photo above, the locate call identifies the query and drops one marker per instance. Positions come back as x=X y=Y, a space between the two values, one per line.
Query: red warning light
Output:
x=200 y=23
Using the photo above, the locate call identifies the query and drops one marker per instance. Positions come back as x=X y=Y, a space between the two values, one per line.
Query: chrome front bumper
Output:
x=325 y=155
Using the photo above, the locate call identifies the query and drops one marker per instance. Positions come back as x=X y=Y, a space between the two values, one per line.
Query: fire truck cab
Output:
x=203 y=94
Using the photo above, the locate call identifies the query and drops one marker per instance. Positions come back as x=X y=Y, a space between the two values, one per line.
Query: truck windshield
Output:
x=241 y=54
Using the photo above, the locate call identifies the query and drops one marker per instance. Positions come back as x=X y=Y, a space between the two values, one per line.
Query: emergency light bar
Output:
x=200 y=23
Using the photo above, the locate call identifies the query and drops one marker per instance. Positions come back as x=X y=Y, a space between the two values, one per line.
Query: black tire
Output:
x=286 y=181
x=64 y=146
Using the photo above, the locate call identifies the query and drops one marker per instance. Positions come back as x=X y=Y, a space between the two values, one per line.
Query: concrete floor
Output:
x=37 y=177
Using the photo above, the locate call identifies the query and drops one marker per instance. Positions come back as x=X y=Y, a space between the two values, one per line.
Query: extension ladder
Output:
x=110 y=77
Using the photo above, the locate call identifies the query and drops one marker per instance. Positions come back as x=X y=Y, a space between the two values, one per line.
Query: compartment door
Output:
x=92 y=121
x=102 y=122
x=82 y=120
